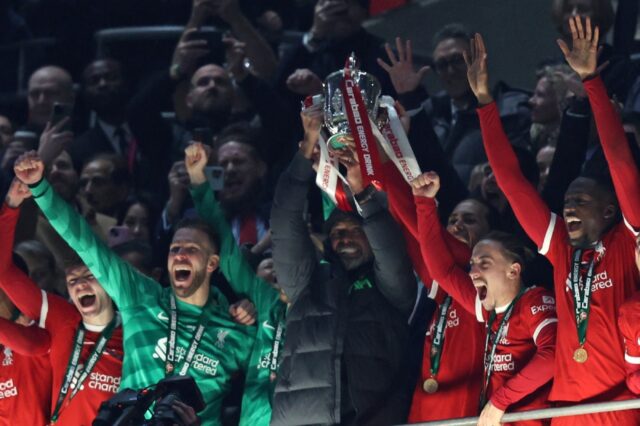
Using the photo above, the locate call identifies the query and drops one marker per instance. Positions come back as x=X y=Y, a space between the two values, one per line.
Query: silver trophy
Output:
x=335 y=117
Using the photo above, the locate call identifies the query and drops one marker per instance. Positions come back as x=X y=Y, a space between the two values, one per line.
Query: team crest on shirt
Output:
x=221 y=336
x=503 y=337
x=8 y=357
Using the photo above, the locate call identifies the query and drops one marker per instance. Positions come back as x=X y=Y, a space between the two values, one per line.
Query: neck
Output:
x=200 y=297
x=509 y=295
x=100 y=320
x=463 y=102
x=113 y=118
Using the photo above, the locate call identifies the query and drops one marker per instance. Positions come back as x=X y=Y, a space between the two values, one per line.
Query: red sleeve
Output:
x=439 y=259
x=540 y=315
x=628 y=324
x=531 y=211
x=29 y=341
x=624 y=172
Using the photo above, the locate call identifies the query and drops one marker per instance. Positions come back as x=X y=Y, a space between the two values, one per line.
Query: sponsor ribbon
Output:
x=74 y=362
x=361 y=129
x=488 y=363
x=169 y=365
x=438 y=339
x=581 y=297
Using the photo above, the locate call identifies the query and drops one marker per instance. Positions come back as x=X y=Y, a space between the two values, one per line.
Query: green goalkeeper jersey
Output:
x=144 y=305
x=256 y=400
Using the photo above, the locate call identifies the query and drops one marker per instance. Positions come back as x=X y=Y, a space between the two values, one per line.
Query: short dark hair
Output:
x=493 y=215
x=72 y=261
x=120 y=173
x=454 y=30
x=513 y=248
x=603 y=15
x=244 y=134
x=339 y=216
x=202 y=226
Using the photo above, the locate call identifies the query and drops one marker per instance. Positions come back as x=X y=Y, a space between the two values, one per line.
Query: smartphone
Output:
x=215 y=177
x=61 y=111
x=118 y=235
x=203 y=135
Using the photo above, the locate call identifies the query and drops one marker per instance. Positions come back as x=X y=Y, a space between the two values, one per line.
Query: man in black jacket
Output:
x=347 y=330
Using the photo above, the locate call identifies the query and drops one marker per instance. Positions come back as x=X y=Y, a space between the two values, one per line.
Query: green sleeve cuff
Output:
x=38 y=189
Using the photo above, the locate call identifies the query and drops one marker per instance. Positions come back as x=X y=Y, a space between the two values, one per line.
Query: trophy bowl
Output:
x=335 y=117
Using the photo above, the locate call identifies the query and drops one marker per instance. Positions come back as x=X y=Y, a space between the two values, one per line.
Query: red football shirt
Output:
x=614 y=280
x=459 y=376
x=25 y=386
x=533 y=319
x=62 y=321
x=629 y=325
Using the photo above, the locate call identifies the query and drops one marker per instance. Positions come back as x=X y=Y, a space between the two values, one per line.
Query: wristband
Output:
x=366 y=194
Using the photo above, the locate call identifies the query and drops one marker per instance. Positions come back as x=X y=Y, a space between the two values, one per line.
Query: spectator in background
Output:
x=550 y=98
x=139 y=215
x=105 y=184
x=6 y=131
x=47 y=85
x=139 y=254
x=452 y=111
x=42 y=266
x=335 y=33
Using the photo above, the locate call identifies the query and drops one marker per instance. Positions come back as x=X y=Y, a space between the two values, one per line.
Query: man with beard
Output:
x=83 y=339
x=182 y=329
x=591 y=251
x=344 y=355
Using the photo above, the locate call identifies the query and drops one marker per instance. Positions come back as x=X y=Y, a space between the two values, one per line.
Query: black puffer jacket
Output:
x=336 y=335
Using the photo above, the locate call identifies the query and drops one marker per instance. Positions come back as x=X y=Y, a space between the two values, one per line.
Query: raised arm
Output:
x=233 y=265
x=294 y=255
x=583 y=58
x=121 y=281
x=435 y=252
x=25 y=340
x=531 y=211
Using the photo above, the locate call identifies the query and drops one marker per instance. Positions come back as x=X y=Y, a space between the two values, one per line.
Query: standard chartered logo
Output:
x=200 y=362
x=8 y=389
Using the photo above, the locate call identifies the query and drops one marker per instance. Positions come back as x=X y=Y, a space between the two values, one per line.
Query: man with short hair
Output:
x=104 y=183
x=347 y=330
x=183 y=329
x=47 y=85
x=451 y=112
x=85 y=336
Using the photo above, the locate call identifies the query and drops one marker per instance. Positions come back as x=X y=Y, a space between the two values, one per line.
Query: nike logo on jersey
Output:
x=164 y=318
x=267 y=325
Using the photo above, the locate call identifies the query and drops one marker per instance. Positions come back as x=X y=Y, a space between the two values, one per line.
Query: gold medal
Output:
x=430 y=385
x=580 y=355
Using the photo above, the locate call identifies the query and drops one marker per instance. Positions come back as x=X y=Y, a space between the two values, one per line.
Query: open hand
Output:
x=18 y=192
x=195 y=160
x=426 y=185
x=477 y=70
x=583 y=55
x=401 y=71
x=29 y=168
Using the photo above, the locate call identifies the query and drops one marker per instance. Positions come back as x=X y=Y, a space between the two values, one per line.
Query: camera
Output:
x=128 y=407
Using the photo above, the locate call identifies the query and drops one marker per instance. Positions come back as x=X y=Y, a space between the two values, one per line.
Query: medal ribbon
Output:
x=438 y=339
x=171 y=339
x=360 y=126
x=74 y=361
x=581 y=298
x=275 y=350
x=488 y=365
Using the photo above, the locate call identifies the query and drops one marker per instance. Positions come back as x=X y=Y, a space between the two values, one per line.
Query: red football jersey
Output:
x=629 y=325
x=534 y=315
x=25 y=388
x=62 y=321
x=614 y=279
x=460 y=374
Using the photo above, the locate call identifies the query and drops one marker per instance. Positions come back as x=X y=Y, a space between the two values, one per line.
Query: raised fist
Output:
x=29 y=168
